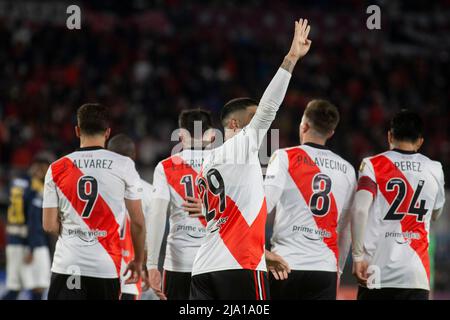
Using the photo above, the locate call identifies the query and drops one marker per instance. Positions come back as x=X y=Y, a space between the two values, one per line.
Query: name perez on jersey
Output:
x=414 y=166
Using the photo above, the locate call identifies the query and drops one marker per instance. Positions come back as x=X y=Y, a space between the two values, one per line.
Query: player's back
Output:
x=317 y=187
x=231 y=186
x=408 y=187
x=89 y=187
x=174 y=180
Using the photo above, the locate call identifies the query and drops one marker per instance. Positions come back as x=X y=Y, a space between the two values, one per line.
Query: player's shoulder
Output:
x=434 y=165
x=281 y=153
x=170 y=159
x=289 y=150
x=368 y=160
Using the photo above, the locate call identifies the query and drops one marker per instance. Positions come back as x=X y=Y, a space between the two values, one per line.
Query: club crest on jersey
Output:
x=362 y=166
x=272 y=158
x=219 y=224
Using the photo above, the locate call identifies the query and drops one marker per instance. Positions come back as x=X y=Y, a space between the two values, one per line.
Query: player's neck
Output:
x=314 y=140
x=94 y=141
x=404 y=146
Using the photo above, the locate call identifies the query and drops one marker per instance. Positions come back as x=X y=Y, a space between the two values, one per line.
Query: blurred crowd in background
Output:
x=148 y=60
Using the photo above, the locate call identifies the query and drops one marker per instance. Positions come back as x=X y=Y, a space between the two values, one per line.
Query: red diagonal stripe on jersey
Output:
x=386 y=170
x=175 y=169
x=302 y=169
x=65 y=175
x=245 y=242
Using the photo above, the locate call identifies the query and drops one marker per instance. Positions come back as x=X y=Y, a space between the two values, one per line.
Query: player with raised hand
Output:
x=231 y=264
x=86 y=196
x=175 y=193
x=399 y=192
x=312 y=189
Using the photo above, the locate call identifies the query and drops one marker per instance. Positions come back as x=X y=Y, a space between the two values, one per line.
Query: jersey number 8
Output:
x=319 y=202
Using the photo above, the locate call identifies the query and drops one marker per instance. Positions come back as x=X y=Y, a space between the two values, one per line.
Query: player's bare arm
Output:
x=50 y=221
x=134 y=208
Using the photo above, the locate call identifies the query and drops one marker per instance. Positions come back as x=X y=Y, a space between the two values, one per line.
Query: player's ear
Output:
x=233 y=124
x=77 y=131
x=209 y=136
x=330 y=135
x=390 y=137
x=419 y=143
x=107 y=133
x=184 y=135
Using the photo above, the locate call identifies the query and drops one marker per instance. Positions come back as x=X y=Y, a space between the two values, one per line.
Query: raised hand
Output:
x=300 y=44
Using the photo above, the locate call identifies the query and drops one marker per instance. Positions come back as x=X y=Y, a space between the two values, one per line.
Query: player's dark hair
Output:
x=123 y=145
x=323 y=116
x=93 y=118
x=407 y=125
x=234 y=105
x=188 y=118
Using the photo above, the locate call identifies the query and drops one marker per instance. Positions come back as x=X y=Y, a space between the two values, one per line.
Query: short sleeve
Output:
x=147 y=195
x=277 y=170
x=133 y=186
x=352 y=189
x=160 y=186
x=50 y=198
x=440 y=198
x=366 y=180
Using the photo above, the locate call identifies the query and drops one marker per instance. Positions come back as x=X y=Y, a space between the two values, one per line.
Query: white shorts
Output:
x=21 y=276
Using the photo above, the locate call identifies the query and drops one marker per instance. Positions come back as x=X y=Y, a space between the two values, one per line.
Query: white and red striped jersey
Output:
x=126 y=242
x=88 y=187
x=174 y=180
x=231 y=186
x=312 y=188
x=406 y=187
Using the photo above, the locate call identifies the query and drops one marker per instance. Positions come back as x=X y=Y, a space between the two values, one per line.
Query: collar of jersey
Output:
x=403 y=151
x=90 y=148
x=315 y=145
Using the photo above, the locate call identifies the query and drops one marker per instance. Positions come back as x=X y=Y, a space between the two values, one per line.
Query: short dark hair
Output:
x=406 y=125
x=93 y=118
x=323 y=115
x=236 y=105
x=123 y=145
x=187 y=119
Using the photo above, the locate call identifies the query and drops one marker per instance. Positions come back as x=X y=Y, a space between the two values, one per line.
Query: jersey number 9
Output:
x=87 y=192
